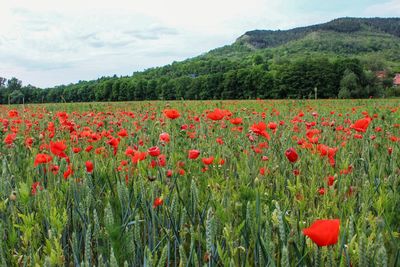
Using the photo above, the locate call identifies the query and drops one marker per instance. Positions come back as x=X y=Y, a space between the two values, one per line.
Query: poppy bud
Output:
x=291 y=155
x=157 y=202
x=89 y=166
x=13 y=196
x=194 y=154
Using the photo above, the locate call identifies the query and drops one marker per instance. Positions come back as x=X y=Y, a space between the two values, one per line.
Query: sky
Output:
x=51 y=42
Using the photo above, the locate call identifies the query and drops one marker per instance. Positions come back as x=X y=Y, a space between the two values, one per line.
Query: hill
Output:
x=267 y=38
x=339 y=58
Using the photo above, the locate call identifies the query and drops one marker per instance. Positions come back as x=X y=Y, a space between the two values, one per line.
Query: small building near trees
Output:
x=396 y=80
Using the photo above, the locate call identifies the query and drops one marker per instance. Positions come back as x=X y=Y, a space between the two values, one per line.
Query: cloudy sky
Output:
x=48 y=42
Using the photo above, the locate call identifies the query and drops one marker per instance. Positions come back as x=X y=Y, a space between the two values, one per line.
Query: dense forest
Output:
x=338 y=59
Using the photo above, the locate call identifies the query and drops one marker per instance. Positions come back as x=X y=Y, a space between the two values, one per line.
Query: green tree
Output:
x=14 y=84
x=16 y=97
x=349 y=85
x=2 y=82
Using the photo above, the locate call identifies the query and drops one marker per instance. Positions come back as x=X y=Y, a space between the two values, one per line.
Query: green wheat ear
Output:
x=182 y=257
x=194 y=195
x=96 y=229
x=46 y=263
x=351 y=229
x=100 y=261
x=130 y=244
x=113 y=260
x=362 y=250
x=75 y=246
x=250 y=218
x=163 y=258
x=285 y=257
x=281 y=225
x=123 y=195
x=381 y=256
x=195 y=259
x=2 y=257
x=108 y=216
x=88 y=243
x=210 y=234
x=148 y=258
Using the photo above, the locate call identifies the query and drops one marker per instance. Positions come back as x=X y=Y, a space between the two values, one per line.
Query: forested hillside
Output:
x=335 y=59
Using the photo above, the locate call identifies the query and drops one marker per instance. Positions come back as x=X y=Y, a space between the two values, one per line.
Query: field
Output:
x=190 y=183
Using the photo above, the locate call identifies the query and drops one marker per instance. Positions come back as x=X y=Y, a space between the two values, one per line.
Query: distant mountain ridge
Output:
x=267 y=38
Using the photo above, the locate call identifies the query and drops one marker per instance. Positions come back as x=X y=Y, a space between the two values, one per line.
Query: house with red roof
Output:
x=382 y=74
x=396 y=80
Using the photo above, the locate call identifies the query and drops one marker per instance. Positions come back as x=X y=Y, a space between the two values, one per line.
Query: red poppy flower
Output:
x=331 y=180
x=154 y=151
x=171 y=113
x=68 y=172
x=29 y=141
x=164 y=137
x=207 y=161
x=99 y=150
x=361 y=125
x=236 y=121
x=54 y=169
x=272 y=126
x=13 y=113
x=216 y=115
x=323 y=232
x=260 y=129
x=89 y=166
x=220 y=141
x=129 y=151
x=9 y=139
x=138 y=156
x=34 y=188
x=321 y=191
x=358 y=136
x=153 y=163
x=114 y=142
x=123 y=133
x=291 y=155
x=162 y=160
x=58 y=148
x=42 y=159
x=157 y=202
x=194 y=154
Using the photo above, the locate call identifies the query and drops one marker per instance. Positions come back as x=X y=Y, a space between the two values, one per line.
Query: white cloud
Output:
x=391 y=8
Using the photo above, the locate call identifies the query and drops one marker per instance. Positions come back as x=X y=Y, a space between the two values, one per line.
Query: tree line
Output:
x=218 y=79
